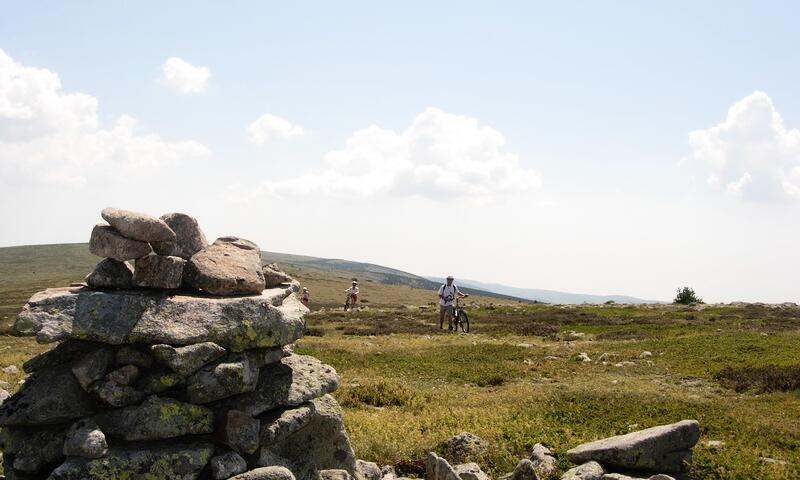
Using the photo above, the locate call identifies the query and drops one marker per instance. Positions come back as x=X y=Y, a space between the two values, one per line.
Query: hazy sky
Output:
x=594 y=147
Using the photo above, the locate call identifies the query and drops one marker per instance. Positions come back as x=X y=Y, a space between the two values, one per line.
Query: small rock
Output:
x=222 y=380
x=583 y=357
x=437 y=468
x=470 y=471
x=93 y=366
x=11 y=370
x=587 y=471
x=4 y=395
x=155 y=271
x=334 y=474
x=138 y=226
x=715 y=444
x=187 y=360
x=227 y=465
x=107 y=242
x=543 y=461
x=645 y=354
x=274 y=276
x=85 y=439
x=465 y=445
x=368 y=470
x=111 y=273
x=772 y=461
x=189 y=237
x=624 y=364
x=525 y=470
x=268 y=473
x=240 y=431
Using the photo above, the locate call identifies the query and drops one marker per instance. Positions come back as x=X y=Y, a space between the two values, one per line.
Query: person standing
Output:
x=352 y=296
x=306 y=297
x=447 y=294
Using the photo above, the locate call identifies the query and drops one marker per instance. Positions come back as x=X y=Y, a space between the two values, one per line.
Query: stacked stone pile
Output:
x=177 y=367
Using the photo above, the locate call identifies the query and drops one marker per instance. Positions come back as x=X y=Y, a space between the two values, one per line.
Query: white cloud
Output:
x=183 y=77
x=751 y=155
x=50 y=136
x=439 y=155
x=268 y=127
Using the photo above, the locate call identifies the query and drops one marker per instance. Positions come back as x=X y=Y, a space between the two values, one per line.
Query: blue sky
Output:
x=594 y=101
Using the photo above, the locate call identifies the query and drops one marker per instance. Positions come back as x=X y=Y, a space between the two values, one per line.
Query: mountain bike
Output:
x=349 y=303
x=460 y=318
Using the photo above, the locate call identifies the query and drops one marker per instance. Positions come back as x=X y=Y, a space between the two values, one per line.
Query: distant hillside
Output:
x=546 y=296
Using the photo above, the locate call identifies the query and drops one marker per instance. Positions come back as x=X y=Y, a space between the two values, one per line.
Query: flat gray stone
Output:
x=109 y=243
x=189 y=237
x=229 y=377
x=276 y=425
x=50 y=396
x=293 y=381
x=111 y=273
x=266 y=473
x=85 y=439
x=137 y=226
x=470 y=471
x=587 y=471
x=661 y=449
x=155 y=271
x=162 y=460
x=229 y=266
x=227 y=465
x=187 y=360
x=273 y=318
x=155 y=419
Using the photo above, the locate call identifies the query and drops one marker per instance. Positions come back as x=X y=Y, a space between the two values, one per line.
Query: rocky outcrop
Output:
x=662 y=449
x=170 y=383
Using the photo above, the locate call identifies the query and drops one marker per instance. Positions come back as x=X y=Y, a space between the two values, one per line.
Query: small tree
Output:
x=686 y=296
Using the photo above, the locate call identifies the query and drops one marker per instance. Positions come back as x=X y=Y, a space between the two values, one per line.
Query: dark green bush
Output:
x=686 y=296
x=769 y=378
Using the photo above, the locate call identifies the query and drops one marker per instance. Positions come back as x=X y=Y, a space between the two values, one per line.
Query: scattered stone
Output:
x=266 y=473
x=128 y=355
x=587 y=471
x=137 y=226
x=624 y=364
x=470 y=471
x=11 y=370
x=187 y=360
x=107 y=242
x=465 y=445
x=715 y=444
x=543 y=461
x=4 y=395
x=525 y=470
x=437 y=468
x=85 y=439
x=227 y=465
x=189 y=237
x=583 y=357
x=155 y=271
x=274 y=276
x=645 y=354
x=666 y=448
x=240 y=431
x=369 y=471
x=111 y=273
x=169 y=460
x=772 y=461
x=335 y=474
x=229 y=266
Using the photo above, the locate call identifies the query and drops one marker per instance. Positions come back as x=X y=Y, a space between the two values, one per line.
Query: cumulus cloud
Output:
x=440 y=155
x=183 y=77
x=50 y=136
x=269 y=127
x=751 y=155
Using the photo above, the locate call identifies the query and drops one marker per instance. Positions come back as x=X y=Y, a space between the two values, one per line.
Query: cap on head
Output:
x=305 y=289
x=449 y=277
x=355 y=283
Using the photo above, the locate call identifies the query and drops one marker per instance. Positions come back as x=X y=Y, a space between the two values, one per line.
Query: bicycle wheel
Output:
x=464 y=321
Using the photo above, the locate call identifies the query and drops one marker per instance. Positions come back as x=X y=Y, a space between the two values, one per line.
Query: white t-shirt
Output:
x=352 y=291
x=448 y=294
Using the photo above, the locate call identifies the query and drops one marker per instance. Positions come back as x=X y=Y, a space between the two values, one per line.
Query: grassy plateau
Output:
x=515 y=379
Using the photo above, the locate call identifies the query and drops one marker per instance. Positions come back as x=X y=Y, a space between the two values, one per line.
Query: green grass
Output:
x=406 y=386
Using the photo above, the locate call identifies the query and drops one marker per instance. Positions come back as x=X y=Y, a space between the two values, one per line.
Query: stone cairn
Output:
x=180 y=367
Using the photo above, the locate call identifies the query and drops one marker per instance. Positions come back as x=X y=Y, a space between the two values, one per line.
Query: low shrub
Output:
x=769 y=378
x=380 y=394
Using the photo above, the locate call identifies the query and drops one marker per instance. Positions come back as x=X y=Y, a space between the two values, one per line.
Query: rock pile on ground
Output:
x=178 y=367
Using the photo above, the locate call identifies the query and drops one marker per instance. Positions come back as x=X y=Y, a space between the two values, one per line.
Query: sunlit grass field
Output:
x=515 y=380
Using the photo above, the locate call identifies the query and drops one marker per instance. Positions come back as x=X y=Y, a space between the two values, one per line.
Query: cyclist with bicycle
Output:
x=447 y=294
x=352 y=296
